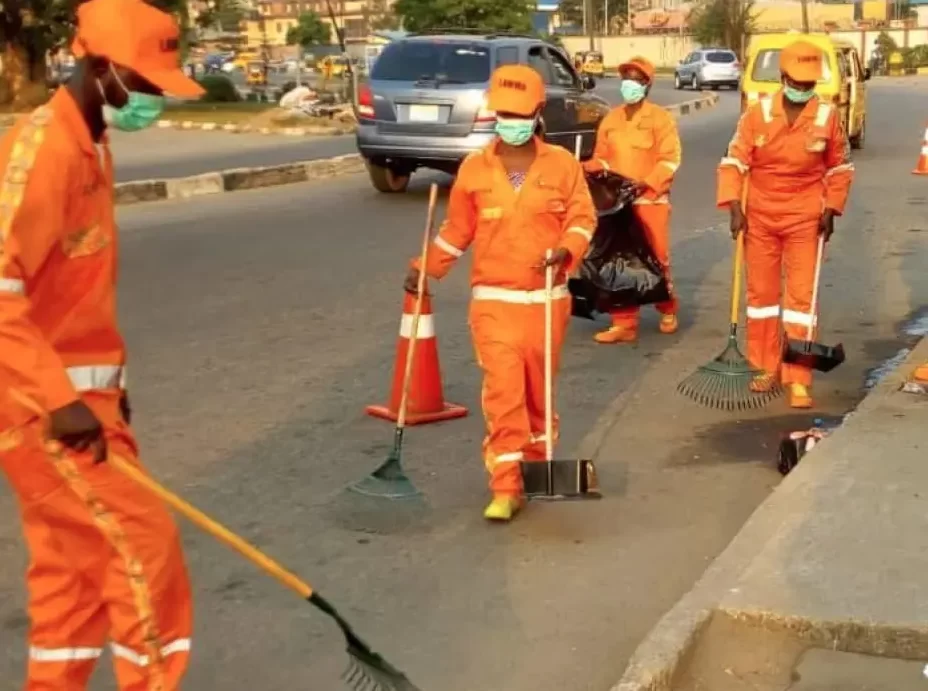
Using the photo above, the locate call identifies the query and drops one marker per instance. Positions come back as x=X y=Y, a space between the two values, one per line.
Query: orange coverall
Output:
x=105 y=555
x=793 y=173
x=510 y=232
x=645 y=148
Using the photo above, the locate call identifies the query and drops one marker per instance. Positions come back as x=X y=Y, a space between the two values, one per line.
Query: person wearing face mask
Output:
x=512 y=202
x=106 y=563
x=792 y=152
x=640 y=141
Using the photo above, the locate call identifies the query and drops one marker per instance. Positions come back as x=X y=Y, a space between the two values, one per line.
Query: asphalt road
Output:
x=260 y=325
x=168 y=153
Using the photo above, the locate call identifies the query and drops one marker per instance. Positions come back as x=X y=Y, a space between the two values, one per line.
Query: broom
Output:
x=367 y=671
x=725 y=382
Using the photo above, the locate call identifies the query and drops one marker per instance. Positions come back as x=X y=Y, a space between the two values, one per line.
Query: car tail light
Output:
x=485 y=114
x=365 y=102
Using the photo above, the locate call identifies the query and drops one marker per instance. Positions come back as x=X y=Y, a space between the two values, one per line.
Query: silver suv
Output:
x=712 y=67
x=424 y=105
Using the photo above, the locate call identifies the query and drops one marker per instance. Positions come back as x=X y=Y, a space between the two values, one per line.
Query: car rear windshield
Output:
x=767 y=67
x=449 y=62
x=720 y=57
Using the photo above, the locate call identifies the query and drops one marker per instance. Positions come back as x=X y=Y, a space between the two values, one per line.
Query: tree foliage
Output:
x=309 y=31
x=29 y=31
x=571 y=12
x=490 y=15
x=724 y=23
x=379 y=17
x=226 y=15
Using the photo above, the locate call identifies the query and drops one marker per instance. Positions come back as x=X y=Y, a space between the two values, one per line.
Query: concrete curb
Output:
x=309 y=131
x=236 y=179
x=689 y=107
x=657 y=660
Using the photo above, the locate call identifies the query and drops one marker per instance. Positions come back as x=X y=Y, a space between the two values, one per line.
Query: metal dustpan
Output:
x=556 y=480
x=808 y=353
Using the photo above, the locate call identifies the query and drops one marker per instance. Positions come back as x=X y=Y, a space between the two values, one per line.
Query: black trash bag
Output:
x=620 y=269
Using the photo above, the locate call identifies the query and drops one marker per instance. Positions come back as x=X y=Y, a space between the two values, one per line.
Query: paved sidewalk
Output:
x=836 y=559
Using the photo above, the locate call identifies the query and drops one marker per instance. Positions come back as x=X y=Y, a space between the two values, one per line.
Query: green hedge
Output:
x=219 y=89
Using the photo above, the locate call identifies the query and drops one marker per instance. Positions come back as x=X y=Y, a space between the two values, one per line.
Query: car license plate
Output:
x=419 y=113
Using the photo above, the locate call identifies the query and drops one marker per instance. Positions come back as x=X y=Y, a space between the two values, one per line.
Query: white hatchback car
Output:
x=709 y=67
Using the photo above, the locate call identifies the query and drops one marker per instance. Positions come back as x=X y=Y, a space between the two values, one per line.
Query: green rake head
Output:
x=387 y=482
x=725 y=383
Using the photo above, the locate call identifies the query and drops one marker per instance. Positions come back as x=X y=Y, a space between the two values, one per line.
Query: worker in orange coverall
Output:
x=105 y=555
x=921 y=374
x=513 y=201
x=792 y=152
x=640 y=141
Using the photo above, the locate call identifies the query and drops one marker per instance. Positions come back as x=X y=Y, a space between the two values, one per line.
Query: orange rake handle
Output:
x=208 y=525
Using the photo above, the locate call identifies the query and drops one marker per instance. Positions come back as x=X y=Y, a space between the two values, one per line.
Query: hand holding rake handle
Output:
x=367 y=669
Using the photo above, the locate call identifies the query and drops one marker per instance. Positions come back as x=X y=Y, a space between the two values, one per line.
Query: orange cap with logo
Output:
x=640 y=63
x=136 y=35
x=801 y=61
x=516 y=89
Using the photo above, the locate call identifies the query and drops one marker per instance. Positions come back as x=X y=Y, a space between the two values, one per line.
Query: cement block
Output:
x=195 y=186
x=141 y=191
x=251 y=178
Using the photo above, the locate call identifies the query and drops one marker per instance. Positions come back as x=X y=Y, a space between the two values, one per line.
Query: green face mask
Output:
x=515 y=131
x=797 y=96
x=140 y=112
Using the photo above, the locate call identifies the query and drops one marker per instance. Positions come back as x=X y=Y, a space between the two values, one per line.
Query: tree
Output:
x=227 y=15
x=309 y=31
x=29 y=31
x=724 y=23
x=490 y=15
x=379 y=17
x=571 y=12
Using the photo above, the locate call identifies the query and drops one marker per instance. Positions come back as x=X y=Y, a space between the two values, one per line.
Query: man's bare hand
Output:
x=78 y=428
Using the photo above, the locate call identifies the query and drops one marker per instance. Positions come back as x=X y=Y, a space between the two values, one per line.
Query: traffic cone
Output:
x=922 y=167
x=426 y=402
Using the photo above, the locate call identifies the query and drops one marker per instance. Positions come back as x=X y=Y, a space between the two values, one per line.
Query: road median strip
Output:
x=832 y=560
x=238 y=179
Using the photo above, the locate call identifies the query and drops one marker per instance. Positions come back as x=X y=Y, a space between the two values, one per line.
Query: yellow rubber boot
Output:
x=921 y=374
x=669 y=324
x=616 y=334
x=799 y=396
x=503 y=508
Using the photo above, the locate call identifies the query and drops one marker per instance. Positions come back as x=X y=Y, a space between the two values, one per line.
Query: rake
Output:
x=367 y=671
x=725 y=382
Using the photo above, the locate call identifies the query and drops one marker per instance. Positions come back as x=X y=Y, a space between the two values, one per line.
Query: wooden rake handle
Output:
x=738 y=262
x=218 y=531
x=417 y=313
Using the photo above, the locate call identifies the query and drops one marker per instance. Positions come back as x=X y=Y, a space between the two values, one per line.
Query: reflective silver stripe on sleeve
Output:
x=12 y=285
x=518 y=297
x=766 y=108
x=821 y=117
x=843 y=168
x=448 y=247
x=94 y=377
x=732 y=162
x=674 y=167
x=588 y=234
x=514 y=457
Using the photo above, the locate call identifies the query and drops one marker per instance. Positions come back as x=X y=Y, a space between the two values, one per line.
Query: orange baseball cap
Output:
x=517 y=89
x=640 y=63
x=136 y=35
x=801 y=61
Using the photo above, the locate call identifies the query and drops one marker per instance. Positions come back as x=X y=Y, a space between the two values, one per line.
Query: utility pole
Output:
x=805 y=16
x=589 y=21
x=605 y=17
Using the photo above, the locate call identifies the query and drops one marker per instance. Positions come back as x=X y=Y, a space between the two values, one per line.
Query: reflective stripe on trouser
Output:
x=105 y=564
x=769 y=254
x=655 y=219
x=509 y=341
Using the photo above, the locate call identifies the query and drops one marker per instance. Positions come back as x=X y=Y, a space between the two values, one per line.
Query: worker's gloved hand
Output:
x=124 y=408
x=78 y=428
x=738 y=223
x=559 y=259
x=826 y=225
x=411 y=284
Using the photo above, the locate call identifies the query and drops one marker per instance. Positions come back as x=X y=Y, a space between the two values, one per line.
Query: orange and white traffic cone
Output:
x=922 y=167
x=426 y=402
